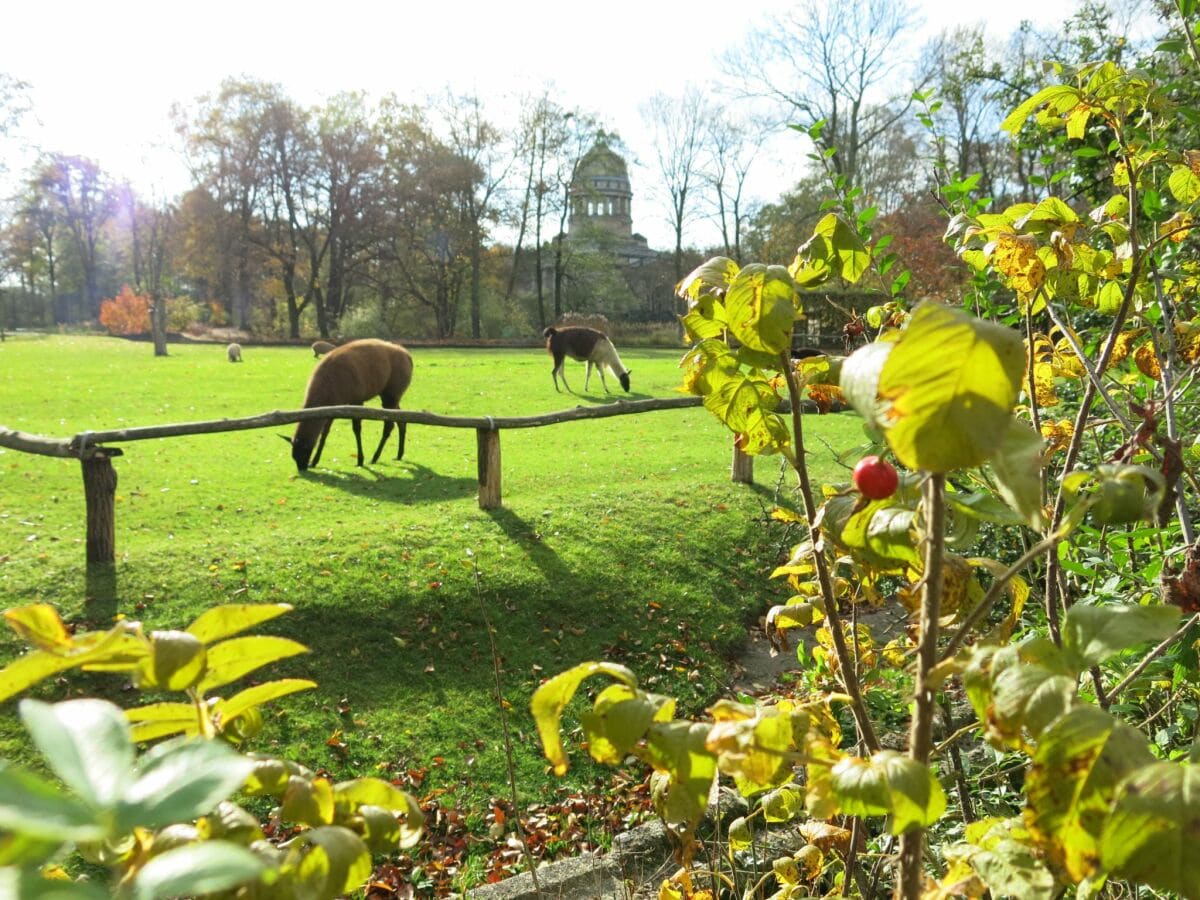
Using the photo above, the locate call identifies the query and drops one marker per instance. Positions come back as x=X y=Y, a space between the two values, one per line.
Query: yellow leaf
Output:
x=1147 y=361
x=1057 y=435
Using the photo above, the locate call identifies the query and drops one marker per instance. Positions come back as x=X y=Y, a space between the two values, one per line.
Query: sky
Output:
x=104 y=75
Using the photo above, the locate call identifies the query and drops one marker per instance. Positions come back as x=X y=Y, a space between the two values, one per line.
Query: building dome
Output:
x=600 y=192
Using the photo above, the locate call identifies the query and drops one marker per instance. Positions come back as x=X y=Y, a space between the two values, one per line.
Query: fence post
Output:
x=741 y=470
x=488 y=443
x=100 y=492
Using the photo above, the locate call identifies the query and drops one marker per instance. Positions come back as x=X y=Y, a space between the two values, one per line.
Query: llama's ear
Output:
x=286 y=438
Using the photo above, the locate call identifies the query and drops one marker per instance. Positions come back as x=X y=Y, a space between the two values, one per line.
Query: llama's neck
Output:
x=606 y=354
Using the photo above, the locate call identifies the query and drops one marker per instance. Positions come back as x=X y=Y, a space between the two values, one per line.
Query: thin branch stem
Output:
x=997 y=588
x=1154 y=654
x=920 y=738
x=862 y=718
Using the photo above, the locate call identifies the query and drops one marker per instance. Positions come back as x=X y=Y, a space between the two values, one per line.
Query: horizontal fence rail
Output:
x=100 y=478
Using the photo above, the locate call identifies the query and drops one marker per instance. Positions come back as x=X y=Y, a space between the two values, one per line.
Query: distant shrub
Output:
x=365 y=321
x=126 y=313
x=182 y=313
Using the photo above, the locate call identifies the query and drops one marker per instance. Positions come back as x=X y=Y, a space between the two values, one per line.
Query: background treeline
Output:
x=383 y=217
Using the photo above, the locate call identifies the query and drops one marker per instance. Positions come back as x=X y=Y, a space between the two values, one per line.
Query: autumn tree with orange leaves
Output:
x=126 y=313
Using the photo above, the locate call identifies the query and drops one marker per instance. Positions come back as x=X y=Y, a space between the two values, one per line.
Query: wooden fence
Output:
x=100 y=478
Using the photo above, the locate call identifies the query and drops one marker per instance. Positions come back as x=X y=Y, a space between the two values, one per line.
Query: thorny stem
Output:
x=508 y=750
x=1081 y=418
x=920 y=736
x=862 y=718
x=1150 y=657
x=998 y=585
x=1168 y=368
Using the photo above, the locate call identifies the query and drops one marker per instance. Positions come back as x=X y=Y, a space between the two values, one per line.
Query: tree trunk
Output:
x=100 y=491
x=158 y=325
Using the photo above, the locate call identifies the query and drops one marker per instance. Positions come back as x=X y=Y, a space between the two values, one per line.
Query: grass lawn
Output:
x=619 y=538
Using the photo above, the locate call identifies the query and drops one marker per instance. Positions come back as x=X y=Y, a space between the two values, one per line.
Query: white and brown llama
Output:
x=586 y=345
x=351 y=375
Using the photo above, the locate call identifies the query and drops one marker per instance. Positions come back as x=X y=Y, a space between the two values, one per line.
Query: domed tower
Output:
x=600 y=194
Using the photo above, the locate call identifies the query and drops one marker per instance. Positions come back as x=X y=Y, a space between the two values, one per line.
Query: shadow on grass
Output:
x=405 y=482
x=99 y=594
x=526 y=536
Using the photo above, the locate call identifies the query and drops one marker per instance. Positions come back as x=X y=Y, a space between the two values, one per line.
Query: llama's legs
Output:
x=389 y=403
x=560 y=371
x=321 y=444
x=357 y=423
x=587 y=381
x=603 y=380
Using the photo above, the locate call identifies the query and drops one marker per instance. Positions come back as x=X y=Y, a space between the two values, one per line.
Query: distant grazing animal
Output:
x=234 y=352
x=352 y=374
x=806 y=352
x=586 y=345
x=319 y=348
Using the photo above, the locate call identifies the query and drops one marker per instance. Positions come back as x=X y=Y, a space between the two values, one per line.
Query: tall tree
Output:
x=425 y=235
x=348 y=172
x=83 y=203
x=823 y=63
x=732 y=146
x=224 y=139
x=678 y=127
x=489 y=158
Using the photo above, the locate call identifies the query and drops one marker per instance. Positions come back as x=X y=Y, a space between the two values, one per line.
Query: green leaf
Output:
x=552 y=697
x=860 y=379
x=709 y=279
x=157 y=720
x=951 y=382
x=747 y=404
x=1092 y=634
x=888 y=783
x=1071 y=785
x=783 y=804
x=1018 y=470
x=1027 y=696
x=1150 y=836
x=1058 y=95
x=835 y=244
x=201 y=868
x=180 y=780
x=617 y=721
x=40 y=625
x=678 y=749
x=176 y=661
x=229 y=619
x=117 y=647
x=230 y=660
x=28 y=885
x=761 y=307
x=1184 y=185
x=35 y=808
x=252 y=697
x=308 y=801
x=383 y=795
x=87 y=744
x=334 y=861
x=1008 y=863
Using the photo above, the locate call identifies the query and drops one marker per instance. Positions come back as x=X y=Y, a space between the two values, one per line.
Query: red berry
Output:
x=875 y=478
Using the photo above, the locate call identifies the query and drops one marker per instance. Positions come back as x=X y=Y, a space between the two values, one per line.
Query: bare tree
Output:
x=732 y=147
x=679 y=127
x=84 y=204
x=822 y=64
x=475 y=140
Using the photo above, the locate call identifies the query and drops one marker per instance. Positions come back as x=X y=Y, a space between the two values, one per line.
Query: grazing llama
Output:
x=586 y=345
x=351 y=375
